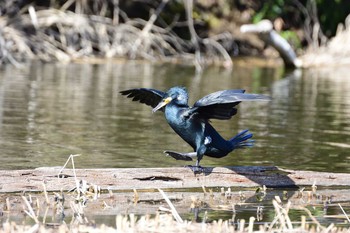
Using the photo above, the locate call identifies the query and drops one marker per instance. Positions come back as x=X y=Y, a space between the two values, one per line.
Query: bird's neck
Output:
x=172 y=111
x=176 y=106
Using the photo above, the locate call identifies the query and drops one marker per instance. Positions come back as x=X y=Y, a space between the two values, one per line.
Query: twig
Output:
x=347 y=217
x=45 y=214
x=33 y=229
x=173 y=210
x=251 y=224
x=71 y=157
x=45 y=194
x=30 y=211
x=8 y=205
x=311 y=216
x=33 y=16
x=280 y=215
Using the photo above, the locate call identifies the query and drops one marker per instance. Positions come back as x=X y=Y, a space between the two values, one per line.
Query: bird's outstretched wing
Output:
x=147 y=96
x=221 y=105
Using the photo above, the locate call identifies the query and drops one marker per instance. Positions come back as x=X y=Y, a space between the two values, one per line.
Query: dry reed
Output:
x=168 y=222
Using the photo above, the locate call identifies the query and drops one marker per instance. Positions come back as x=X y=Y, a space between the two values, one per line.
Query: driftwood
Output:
x=135 y=190
x=166 y=178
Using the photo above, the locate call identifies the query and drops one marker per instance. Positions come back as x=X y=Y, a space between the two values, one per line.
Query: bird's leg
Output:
x=186 y=157
x=197 y=169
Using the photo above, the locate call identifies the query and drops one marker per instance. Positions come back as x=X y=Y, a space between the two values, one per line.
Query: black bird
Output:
x=192 y=123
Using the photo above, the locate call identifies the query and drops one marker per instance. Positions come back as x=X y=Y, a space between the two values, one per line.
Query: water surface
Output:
x=49 y=111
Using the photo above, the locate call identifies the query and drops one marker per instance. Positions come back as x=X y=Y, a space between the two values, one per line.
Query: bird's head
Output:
x=176 y=95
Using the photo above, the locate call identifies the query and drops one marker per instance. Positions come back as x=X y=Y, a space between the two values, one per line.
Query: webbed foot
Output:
x=196 y=169
x=180 y=156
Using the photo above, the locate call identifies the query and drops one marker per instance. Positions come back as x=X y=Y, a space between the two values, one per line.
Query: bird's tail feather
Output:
x=241 y=140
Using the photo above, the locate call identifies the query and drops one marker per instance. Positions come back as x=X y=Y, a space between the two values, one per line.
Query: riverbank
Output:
x=193 y=34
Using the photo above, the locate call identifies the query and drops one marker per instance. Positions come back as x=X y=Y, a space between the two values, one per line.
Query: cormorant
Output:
x=192 y=123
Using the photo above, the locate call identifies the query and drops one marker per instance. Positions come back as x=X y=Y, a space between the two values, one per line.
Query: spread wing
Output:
x=221 y=105
x=146 y=96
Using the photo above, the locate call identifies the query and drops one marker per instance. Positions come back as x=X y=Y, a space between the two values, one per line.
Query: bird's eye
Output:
x=179 y=97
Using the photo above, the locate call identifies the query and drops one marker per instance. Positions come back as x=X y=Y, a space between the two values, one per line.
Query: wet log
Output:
x=165 y=178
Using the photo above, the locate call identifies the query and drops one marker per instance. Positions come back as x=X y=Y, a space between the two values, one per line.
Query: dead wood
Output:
x=166 y=178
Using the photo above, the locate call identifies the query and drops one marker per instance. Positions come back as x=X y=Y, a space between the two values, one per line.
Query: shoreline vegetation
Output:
x=58 y=34
x=66 y=31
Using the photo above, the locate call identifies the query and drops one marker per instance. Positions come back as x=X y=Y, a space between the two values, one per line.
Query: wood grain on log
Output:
x=166 y=178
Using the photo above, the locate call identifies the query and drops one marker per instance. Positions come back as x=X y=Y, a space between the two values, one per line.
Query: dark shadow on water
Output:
x=270 y=176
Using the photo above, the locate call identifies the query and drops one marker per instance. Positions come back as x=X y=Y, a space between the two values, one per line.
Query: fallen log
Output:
x=165 y=178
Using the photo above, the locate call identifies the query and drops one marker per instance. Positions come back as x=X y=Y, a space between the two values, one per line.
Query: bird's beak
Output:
x=162 y=104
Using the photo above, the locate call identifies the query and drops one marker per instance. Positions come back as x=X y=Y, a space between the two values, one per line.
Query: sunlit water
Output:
x=49 y=111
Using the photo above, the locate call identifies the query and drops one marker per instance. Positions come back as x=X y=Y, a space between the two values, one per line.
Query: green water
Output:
x=49 y=111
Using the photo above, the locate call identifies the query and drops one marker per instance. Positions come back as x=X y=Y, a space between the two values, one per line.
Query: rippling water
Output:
x=49 y=111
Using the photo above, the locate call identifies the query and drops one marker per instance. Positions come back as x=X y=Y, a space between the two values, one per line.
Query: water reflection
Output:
x=314 y=109
x=48 y=111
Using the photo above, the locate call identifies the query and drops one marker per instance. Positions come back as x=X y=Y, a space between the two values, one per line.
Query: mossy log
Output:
x=165 y=178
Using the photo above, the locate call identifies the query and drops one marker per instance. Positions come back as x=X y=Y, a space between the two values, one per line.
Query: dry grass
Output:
x=163 y=222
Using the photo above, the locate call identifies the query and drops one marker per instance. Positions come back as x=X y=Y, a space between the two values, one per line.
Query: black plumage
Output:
x=192 y=123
